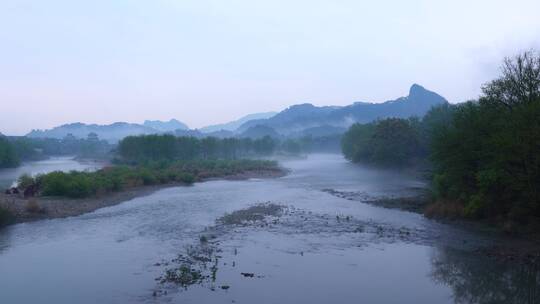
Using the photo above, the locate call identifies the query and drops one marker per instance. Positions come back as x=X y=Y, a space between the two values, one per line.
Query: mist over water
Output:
x=59 y=163
x=309 y=255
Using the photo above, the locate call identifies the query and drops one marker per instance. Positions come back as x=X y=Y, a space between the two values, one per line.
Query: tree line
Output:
x=14 y=149
x=8 y=156
x=148 y=148
x=80 y=184
x=484 y=153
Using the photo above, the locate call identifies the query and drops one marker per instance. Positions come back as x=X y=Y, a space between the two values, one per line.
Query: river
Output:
x=323 y=249
x=60 y=163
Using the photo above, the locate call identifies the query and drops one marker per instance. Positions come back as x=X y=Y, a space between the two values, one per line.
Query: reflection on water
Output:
x=329 y=250
x=478 y=280
x=64 y=163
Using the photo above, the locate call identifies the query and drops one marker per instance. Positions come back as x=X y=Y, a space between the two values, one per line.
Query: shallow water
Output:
x=8 y=177
x=311 y=255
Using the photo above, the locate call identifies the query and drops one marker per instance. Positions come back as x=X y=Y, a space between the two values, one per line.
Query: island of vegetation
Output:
x=483 y=155
x=141 y=164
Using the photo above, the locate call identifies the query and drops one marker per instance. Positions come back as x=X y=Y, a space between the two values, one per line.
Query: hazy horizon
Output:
x=210 y=62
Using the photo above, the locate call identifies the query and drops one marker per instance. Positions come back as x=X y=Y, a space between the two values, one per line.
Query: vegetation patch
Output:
x=251 y=214
x=392 y=142
x=152 y=148
x=76 y=184
x=6 y=217
x=487 y=158
x=8 y=156
x=183 y=275
x=484 y=154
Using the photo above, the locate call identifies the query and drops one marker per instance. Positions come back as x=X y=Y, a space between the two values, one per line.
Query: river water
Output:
x=61 y=163
x=323 y=249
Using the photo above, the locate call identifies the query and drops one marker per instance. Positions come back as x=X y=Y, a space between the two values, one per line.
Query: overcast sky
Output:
x=205 y=62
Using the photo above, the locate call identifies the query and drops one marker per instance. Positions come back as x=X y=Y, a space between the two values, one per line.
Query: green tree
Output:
x=8 y=157
x=391 y=142
x=487 y=157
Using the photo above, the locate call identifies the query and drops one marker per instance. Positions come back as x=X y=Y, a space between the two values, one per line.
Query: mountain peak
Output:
x=416 y=89
x=418 y=94
x=234 y=125
x=301 y=106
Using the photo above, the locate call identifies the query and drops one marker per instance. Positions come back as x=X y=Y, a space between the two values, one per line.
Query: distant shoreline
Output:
x=60 y=207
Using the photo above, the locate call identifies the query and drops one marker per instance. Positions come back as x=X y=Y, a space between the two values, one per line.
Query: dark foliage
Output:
x=151 y=148
x=28 y=149
x=8 y=157
x=76 y=184
x=6 y=217
x=485 y=153
x=487 y=156
x=392 y=142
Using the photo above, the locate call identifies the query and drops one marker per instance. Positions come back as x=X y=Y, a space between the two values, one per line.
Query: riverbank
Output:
x=49 y=207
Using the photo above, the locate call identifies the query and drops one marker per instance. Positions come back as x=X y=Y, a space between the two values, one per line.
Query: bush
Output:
x=186 y=178
x=110 y=179
x=8 y=157
x=25 y=181
x=6 y=217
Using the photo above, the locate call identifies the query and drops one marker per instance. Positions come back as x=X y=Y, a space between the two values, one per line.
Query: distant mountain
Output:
x=187 y=133
x=259 y=131
x=220 y=134
x=111 y=133
x=320 y=131
x=199 y=134
x=298 y=118
x=233 y=125
x=296 y=121
x=165 y=126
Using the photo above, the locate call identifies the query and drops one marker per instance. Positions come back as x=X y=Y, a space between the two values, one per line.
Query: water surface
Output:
x=9 y=176
x=115 y=254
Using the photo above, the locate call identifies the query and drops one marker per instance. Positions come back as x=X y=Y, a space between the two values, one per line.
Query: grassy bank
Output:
x=122 y=177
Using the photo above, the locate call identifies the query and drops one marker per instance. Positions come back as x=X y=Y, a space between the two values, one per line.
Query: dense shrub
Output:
x=76 y=184
x=25 y=181
x=8 y=157
x=6 y=217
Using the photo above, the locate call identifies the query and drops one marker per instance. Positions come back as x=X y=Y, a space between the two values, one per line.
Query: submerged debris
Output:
x=251 y=214
x=184 y=275
x=199 y=264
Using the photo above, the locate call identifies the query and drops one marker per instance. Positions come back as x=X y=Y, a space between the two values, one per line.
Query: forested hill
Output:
x=296 y=121
x=304 y=116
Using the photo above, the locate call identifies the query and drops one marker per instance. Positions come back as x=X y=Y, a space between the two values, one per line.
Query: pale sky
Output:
x=205 y=62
